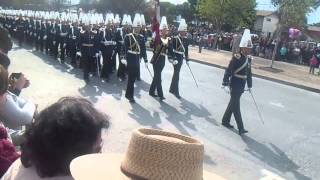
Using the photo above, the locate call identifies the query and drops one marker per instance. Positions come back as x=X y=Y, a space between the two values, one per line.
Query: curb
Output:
x=264 y=77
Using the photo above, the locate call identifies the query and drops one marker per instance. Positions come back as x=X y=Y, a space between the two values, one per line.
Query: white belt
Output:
x=178 y=52
x=240 y=76
x=133 y=52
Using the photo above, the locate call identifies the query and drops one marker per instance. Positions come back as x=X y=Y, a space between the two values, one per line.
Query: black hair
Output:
x=4 y=82
x=63 y=131
x=4 y=60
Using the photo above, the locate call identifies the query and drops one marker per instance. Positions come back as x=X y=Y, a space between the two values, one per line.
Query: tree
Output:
x=291 y=13
x=231 y=13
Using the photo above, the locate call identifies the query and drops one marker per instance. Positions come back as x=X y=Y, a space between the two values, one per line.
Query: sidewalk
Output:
x=285 y=73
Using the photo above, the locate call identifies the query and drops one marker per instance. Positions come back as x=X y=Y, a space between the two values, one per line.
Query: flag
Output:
x=156 y=24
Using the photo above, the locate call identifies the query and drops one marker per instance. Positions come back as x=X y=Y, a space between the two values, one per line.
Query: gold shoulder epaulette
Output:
x=237 y=55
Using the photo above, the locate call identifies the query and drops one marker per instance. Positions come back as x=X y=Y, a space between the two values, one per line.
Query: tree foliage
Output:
x=232 y=13
x=293 y=13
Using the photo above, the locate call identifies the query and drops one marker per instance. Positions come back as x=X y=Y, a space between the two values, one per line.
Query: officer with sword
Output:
x=236 y=76
x=180 y=51
x=135 y=49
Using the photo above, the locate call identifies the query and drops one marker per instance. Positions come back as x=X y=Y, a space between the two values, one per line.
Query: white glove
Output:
x=123 y=61
x=226 y=89
x=100 y=53
x=175 y=62
x=97 y=55
x=44 y=37
x=78 y=53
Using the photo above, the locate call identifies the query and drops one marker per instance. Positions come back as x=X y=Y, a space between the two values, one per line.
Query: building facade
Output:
x=266 y=23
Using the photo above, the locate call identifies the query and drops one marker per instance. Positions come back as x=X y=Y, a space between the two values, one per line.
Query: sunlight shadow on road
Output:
x=273 y=156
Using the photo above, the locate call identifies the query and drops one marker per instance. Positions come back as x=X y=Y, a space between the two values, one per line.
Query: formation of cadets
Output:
x=90 y=37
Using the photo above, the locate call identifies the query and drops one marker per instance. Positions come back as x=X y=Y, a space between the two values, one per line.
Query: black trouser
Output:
x=234 y=108
x=20 y=36
x=133 y=65
x=73 y=52
x=113 y=60
x=56 y=47
x=174 y=87
x=122 y=68
x=156 y=82
x=87 y=65
x=63 y=45
x=107 y=61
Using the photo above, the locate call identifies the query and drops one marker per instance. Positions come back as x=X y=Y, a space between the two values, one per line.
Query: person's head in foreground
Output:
x=63 y=131
x=151 y=155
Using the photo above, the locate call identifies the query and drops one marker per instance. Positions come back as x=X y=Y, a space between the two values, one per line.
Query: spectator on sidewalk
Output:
x=283 y=53
x=63 y=131
x=314 y=63
x=15 y=112
x=8 y=153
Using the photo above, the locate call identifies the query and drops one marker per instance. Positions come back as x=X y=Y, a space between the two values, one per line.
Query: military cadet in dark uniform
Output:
x=37 y=34
x=55 y=33
x=87 y=43
x=107 y=45
x=158 y=60
x=180 y=51
x=20 y=30
x=135 y=48
x=49 y=37
x=73 y=40
x=119 y=50
x=236 y=76
x=62 y=39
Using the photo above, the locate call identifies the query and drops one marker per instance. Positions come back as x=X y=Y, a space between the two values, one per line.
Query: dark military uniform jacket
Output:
x=135 y=44
x=238 y=73
x=89 y=43
x=179 y=46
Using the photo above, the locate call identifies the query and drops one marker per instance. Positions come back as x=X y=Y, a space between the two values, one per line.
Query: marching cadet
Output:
x=20 y=29
x=42 y=34
x=180 y=51
x=236 y=76
x=87 y=43
x=55 y=35
x=158 y=59
x=107 y=45
x=119 y=50
x=73 y=38
x=62 y=37
x=37 y=34
x=142 y=34
x=134 y=48
x=49 y=35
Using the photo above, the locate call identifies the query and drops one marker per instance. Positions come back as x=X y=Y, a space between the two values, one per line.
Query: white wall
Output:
x=270 y=26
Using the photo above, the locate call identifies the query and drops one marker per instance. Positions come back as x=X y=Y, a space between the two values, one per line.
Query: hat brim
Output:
x=97 y=167
x=107 y=166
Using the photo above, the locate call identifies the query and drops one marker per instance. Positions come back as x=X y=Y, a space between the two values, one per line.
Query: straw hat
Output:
x=152 y=155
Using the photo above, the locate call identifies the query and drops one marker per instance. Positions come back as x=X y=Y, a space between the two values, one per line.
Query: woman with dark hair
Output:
x=65 y=130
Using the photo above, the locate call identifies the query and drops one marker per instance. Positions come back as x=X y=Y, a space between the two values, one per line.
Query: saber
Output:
x=148 y=70
x=192 y=75
x=255 y=103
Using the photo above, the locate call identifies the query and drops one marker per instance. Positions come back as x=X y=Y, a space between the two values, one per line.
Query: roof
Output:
x=314 y=28
x=264 y=13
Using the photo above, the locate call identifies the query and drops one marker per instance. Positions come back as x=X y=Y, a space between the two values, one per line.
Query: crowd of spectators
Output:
x=292 y=51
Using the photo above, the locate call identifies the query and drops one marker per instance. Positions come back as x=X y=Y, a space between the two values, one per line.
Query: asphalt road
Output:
x=287 y=145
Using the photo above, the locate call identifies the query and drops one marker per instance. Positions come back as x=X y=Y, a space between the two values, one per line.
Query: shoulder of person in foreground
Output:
x=18 y=172
x=17 y=111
